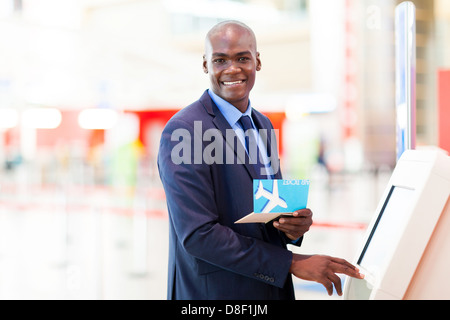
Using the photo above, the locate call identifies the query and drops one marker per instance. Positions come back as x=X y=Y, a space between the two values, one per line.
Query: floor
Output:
x=74 y=241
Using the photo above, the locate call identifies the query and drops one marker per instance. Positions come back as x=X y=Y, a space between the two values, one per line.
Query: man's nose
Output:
x=233 y=68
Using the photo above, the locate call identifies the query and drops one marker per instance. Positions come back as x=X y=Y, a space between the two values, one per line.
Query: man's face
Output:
x=231 y=61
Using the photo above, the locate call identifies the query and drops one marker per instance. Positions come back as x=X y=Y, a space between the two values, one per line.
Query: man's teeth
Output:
x=231 y=83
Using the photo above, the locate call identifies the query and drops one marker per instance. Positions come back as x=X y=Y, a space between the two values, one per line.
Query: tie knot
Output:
x=246 y=123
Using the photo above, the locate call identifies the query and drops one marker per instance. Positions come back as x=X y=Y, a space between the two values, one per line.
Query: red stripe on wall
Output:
x=444 y=109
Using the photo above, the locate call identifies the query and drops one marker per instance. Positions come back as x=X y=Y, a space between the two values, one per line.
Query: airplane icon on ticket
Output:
x=274 y=198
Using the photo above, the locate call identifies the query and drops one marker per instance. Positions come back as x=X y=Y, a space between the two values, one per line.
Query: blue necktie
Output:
x=252 y=147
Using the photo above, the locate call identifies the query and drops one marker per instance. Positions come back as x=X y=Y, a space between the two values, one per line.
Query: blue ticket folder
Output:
x=272 y=198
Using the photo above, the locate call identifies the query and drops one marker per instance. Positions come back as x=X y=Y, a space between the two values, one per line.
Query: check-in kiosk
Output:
x=406 y=252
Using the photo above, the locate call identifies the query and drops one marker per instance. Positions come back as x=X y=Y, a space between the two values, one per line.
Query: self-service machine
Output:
x=406 y=251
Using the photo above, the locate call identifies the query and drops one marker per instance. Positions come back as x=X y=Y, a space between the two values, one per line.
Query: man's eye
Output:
x=219 y=60
x=243 y=59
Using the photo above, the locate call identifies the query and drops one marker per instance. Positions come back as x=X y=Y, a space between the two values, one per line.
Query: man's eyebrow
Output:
x=243 y=53
x=221 y=54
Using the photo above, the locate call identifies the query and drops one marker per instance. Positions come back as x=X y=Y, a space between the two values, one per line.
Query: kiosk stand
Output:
x=406 y=252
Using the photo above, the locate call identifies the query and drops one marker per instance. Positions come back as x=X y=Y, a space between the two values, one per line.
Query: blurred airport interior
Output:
x=86 y=87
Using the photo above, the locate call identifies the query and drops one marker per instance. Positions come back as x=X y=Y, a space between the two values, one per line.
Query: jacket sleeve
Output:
x=195 y=216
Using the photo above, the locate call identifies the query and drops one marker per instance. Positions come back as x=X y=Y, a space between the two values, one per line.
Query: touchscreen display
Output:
x=386 y=231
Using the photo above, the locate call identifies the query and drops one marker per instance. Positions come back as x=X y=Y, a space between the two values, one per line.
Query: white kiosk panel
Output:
x=395 y=211
x=398 y=237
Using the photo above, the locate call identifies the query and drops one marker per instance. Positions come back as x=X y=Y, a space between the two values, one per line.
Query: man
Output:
x=210 y=256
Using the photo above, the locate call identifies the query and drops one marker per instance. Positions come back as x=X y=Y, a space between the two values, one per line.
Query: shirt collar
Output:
x=230 y=112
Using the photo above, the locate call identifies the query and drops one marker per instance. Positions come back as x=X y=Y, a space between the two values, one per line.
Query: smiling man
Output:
x=211 y=257
x=232 y=62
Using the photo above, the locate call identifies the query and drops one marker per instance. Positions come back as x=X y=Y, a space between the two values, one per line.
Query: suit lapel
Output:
x=222 y=124
x=229 y=135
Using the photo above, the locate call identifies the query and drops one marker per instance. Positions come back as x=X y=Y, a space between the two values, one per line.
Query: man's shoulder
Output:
x=196 y=111
x=259 y=114
x=190 y=112
x=263 y=120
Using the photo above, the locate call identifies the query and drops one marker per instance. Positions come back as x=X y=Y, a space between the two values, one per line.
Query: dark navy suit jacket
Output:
x=211 y=257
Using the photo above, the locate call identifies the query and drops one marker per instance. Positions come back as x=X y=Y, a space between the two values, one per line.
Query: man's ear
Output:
x=205 y=64
x=258 y=62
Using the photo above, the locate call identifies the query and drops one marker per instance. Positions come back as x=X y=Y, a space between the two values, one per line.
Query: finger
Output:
x=292 y=235
x=294 y=227
x=290 y=228
x=337 y=283
x=295 y=221
x=344 y=262
x=347 y=269
x=328 y=286
x=304 y=213
x=281 y=227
